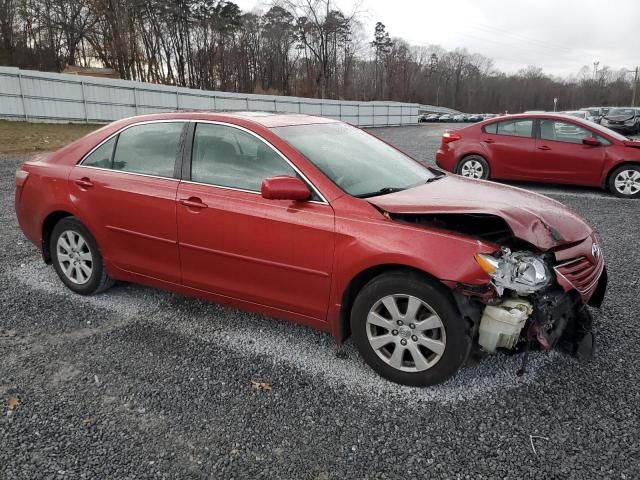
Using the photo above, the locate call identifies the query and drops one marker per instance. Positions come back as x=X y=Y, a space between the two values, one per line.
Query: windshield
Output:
x=621 y=111
x=357 y=162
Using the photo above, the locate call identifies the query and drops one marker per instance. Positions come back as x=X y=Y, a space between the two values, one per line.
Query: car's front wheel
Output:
x=473 y=166
x=408 y=330
x=77 y=259
x=624 y=181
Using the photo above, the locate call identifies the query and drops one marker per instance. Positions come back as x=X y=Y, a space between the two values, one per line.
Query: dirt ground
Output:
x=20 y=137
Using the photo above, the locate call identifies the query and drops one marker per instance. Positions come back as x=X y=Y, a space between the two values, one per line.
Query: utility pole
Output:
x=635 y=88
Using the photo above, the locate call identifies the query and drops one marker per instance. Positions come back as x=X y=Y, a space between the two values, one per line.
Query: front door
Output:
x=235 y=243
x=126 y=192
x=562 y=157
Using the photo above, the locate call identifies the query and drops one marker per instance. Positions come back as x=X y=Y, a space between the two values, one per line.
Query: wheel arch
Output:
x=48 y=225
x=607 y=177
x=355 y=285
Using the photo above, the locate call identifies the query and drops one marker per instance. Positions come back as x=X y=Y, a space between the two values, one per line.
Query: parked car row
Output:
x=622 y=119
x=583 y=114
x=596 y=112
x=450 y=118
x=625 y=120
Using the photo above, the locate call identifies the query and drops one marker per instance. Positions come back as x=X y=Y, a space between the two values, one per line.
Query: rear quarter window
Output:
x=491 y=128
x=101 y=157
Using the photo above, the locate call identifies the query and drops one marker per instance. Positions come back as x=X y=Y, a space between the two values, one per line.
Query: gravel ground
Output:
x=140 y=383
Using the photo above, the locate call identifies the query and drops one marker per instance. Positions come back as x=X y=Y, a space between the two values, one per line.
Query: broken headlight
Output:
x=522 y=272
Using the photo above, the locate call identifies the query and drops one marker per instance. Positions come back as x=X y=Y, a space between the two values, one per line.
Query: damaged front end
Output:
x=537 y=296
x=533 y=305
x=546 y=267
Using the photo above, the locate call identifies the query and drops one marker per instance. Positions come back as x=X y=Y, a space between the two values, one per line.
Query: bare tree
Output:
x=302 y=47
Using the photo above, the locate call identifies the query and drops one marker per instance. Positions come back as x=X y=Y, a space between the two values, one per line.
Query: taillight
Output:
x=448 y=137
x=21 y=177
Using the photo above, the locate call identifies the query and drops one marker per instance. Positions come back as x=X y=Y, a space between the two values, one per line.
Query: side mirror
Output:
x=285 y=188
x=591 y=141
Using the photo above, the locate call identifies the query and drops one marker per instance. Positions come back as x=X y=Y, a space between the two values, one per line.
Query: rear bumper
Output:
x=443 y=160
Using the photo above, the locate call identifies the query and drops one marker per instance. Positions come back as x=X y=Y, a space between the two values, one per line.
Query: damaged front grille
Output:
x=579 y=273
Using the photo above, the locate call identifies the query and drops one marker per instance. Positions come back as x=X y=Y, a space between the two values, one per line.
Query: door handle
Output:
x=84 y=182
x=544 y=147
x=193 y=202
x=488 y=140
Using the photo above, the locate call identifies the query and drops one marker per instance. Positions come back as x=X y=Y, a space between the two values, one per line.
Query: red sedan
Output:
x=544 y=147
x=312 y=220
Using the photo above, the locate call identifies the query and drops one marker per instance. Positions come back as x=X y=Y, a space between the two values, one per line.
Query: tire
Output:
x=437 y=340
x=473 y=166
x=77 y=258
x=624 y=181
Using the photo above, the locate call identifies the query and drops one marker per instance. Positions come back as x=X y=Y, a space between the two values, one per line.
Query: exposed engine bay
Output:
x=523 y=307
x=528 y=309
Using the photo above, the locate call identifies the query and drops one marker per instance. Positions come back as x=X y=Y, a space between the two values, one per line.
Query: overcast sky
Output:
x=558 y=35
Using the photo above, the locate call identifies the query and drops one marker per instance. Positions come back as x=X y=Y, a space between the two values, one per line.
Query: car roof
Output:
x=515 y=116
x=265 y=119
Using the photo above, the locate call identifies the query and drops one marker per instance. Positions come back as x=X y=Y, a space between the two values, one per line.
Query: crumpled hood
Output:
x=534 y=218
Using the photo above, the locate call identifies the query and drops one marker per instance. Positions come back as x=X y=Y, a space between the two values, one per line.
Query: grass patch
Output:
x=18 y=137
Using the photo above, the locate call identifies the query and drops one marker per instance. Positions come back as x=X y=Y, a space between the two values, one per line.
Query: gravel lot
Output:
x=140 y=383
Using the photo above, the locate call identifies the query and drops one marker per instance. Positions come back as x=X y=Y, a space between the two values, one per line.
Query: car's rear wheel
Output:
x=408 y=330
x=77 y=259
x=624 y=181
x=473 y=166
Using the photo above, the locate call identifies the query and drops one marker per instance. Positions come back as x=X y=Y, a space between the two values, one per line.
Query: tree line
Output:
x=307 y=48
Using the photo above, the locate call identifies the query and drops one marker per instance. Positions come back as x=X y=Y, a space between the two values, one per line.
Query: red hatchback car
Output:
x=544 y=147
x=315 y=221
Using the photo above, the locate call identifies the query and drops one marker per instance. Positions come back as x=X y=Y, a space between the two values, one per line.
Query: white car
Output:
x=583 y=114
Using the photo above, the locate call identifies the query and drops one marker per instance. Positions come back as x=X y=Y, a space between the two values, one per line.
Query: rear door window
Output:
x=515 y=128
x=150 y=149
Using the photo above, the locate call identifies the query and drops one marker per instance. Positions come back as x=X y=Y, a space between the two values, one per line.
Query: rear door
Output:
x=562 y=157
x=126 y=191
x=511 y=147
x=234 y=242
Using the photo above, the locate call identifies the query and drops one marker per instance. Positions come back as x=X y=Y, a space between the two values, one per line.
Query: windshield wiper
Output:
x=434 y=178
x=382 y=191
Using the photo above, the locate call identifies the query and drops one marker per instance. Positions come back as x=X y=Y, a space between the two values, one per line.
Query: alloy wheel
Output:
x=627 y=182
x=472 y=169
x=74 y=257
x=406 y=333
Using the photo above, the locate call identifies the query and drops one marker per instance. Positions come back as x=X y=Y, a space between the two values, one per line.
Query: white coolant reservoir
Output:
x=501 y=324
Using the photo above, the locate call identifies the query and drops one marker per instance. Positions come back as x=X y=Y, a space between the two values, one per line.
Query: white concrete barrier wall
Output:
x=54 y=97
